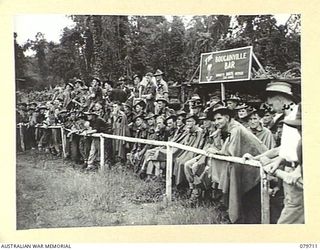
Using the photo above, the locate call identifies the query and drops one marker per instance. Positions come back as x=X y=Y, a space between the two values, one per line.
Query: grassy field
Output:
x=53 y=193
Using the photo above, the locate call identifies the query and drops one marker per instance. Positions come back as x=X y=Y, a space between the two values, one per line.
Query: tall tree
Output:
x=177 y=60
x=40 y=46
x=203 y=34
x=95 y=25
x=65 y=59
x=276 y=48
x=20 y=60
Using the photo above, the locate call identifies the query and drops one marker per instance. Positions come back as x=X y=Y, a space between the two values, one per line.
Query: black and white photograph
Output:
x=130 y=120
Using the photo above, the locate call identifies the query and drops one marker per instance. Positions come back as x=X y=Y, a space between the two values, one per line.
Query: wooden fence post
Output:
x=23 y=147
x=102 y=153
x=63 y=140
x=265 y=198
x=169 y=174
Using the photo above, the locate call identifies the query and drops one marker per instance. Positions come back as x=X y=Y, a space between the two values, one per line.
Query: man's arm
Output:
x=147 y=96
x=273 y=165
x=292 y=178
x=271 y=153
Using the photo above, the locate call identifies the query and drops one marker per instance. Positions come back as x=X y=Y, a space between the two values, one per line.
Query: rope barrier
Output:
x=265 y=200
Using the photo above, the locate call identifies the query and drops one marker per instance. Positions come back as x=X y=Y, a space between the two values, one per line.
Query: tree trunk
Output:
x=97 y=43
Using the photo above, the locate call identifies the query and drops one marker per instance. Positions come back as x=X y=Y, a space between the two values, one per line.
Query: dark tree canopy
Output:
x=114 y=46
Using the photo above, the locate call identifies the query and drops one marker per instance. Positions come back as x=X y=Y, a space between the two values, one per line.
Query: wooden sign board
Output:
x=226 y=65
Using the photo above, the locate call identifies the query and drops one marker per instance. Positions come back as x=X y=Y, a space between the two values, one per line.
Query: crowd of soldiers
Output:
x=140 y=108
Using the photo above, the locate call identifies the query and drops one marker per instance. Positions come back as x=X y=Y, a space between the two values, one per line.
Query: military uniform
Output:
x=120 y=127
x=100 y=126
x=170 y=133
x=165 y=112
x=293 y=211
x=150 y=88
x=136 y=153
x=161 y=88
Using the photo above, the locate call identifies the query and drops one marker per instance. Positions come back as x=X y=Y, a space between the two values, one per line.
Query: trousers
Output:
x=293 y=211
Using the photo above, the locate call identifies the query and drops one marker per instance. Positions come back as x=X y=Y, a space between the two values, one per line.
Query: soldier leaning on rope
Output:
x=97 y=125
x=141 y=132
x=49 y=138
x=119 y=127
x=151 y=133
x=156 y=169
x=193 y=138
x=293 y=211
x=23 y=114
x=72 y=138
x=30 y=128
x=85 y=141
x=283 y=101
x=147 y=168
x=38 y=121
x=233 y=181
x=21 y=118
x=195 y=167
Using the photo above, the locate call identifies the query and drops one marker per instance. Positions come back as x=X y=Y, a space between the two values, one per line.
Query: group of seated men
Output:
x=140 y=109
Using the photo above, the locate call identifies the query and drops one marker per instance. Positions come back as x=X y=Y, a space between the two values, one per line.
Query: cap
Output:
x=162 y=98
x=194 y=116
x=150 y=115
x=281 y=87
x=140 y=102
x=181 y=113
x=158 y=73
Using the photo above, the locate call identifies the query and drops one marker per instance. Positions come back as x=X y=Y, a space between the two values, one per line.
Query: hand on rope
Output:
x=271 y=166
x=273 y=191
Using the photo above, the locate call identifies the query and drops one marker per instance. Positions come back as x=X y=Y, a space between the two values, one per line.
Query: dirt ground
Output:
x=53 y=193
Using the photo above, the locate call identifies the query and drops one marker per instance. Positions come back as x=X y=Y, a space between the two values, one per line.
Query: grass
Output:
x=55 y=193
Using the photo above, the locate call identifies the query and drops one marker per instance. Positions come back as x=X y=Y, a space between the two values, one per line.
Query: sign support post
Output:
x=102 y=153
x=258 y=62
x=63 y=140
x=23 y=147
x=265 y=198
x=169 y=174
x=223 y=92
x=194 y=74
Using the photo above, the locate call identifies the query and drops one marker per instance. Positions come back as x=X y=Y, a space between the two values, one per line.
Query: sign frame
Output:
x=228 y=80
